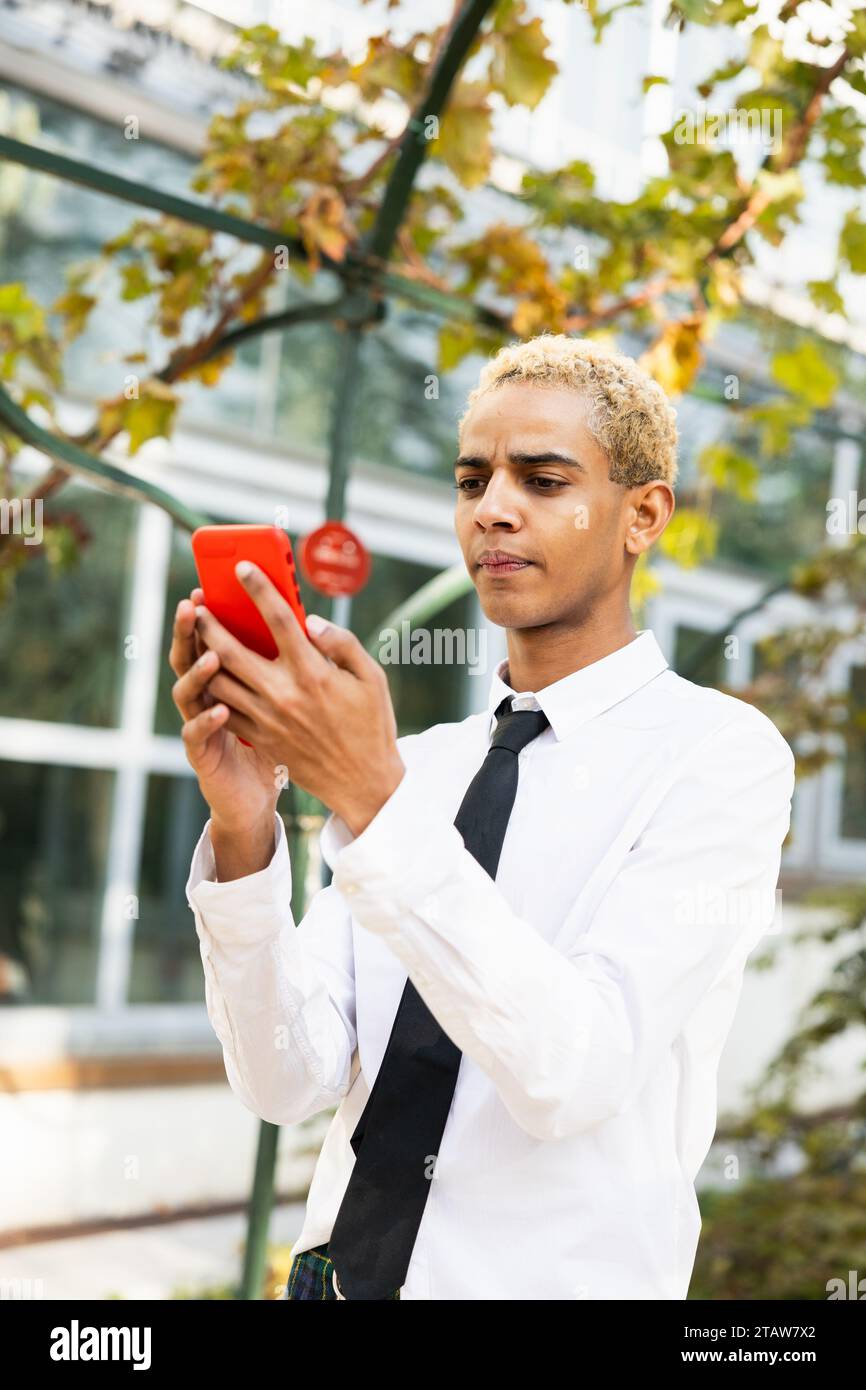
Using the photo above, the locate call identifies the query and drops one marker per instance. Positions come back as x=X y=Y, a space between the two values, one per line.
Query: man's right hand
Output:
x=238 y=785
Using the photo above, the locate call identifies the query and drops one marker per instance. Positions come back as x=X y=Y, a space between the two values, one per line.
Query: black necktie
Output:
x=403 y=1121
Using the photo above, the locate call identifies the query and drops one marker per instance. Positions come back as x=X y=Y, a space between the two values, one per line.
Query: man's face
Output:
x=532 y=481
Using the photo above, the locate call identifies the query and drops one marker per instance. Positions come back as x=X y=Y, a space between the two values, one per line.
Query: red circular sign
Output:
x=334 y=560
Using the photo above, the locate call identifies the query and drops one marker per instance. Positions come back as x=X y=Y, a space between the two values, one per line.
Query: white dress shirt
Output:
x=590 y=987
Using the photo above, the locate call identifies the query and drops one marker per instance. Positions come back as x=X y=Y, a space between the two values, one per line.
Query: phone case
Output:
x=216 y=550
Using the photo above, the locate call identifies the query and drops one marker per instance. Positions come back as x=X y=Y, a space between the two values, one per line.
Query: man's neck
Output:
x=537 y=657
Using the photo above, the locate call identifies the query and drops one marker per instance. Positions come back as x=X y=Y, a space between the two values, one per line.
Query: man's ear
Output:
x=650 y=508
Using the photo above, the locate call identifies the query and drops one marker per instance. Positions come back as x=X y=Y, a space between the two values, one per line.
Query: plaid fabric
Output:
x=311 y=1276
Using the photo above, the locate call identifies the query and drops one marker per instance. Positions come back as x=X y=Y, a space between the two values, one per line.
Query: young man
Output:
x=517 y=987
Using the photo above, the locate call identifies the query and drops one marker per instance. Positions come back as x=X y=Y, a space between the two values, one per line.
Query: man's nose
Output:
x=499 y=501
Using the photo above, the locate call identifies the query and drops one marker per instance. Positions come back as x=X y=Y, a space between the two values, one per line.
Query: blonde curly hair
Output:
x=629 y=415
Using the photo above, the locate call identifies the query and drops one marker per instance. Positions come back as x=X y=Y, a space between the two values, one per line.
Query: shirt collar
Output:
x=585 y=693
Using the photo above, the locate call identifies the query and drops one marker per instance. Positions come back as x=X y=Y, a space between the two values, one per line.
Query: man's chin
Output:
x=504 y=611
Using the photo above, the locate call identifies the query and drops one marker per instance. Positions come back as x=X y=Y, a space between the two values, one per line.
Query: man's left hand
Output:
x=321 y=710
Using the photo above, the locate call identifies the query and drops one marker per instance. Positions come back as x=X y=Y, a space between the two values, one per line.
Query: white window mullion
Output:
x=142 y=650
x=847 y=462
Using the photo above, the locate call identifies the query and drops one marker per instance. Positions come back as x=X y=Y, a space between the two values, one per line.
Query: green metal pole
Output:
x=262 y=1194
x=342 y=420
x=107 y=475
x=259 y=1212
x=356 y=267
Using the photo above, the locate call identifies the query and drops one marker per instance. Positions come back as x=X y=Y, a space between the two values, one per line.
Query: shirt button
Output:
x=350 y=887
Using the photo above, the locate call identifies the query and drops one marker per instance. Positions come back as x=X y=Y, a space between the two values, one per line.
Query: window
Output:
x=166 y=965
x=688 y=647
x=853 y=800
x=61 y=633
x=181 y=579
x=53 y=842
x=788 y=519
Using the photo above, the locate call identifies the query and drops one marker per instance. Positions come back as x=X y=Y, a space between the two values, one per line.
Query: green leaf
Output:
x=843 y=169
x=456 y=341
x=23 y=315
x=852 y=243
x=729 y=470
x=135 y=282
x=824 y=295
x=776 y=419
x=10 y=444
x=519 y=68
x=857 y=80
x=34 y=396
x=713 y=11
x=806 y=374
x=843 y=133
x=560 y=196
x=209 y=373
x=387 y=67
x=689 y=538
x=675 y=357
x=855 y=38
x=324 y=224
x=148 y=416
x=75 y=308
x=464 y=134
x=698 y=11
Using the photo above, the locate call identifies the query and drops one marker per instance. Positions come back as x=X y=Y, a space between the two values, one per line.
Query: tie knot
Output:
x=515 y=728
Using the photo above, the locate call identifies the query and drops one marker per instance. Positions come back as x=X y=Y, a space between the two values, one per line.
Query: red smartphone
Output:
x=216 y=550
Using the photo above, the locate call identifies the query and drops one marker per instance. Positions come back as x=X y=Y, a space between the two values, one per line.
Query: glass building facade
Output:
x=99 y=812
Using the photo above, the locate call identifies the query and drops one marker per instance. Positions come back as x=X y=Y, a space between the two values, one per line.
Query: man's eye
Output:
x=548 y=484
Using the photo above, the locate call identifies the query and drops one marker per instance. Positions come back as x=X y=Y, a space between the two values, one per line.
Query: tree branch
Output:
x=795 y=148
x=413 y=143
x=108 y=475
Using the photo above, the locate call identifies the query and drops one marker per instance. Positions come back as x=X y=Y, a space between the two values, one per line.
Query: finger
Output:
x=201 y=649
x=188 y=692
x=239 y=724
x=182 y=653
x=196 y=732
x=277 y=613
x=247 y=665
x=196 y=596
x=344 y=648
x=200 y=646
x=231 y=692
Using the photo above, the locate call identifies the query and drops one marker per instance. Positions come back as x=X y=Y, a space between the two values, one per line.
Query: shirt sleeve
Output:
x=569 y=1037
x=280 y=997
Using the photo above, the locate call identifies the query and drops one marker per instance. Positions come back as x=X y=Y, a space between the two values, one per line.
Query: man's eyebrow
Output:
x=521 y=459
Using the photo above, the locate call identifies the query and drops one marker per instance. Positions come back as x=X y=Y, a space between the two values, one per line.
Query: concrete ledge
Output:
x=110 y=1073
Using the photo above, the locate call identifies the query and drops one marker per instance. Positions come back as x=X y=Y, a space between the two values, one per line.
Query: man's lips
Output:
x=503 y=563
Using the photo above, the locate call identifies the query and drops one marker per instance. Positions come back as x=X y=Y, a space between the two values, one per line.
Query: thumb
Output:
x=338 y=643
